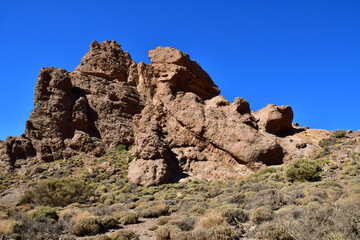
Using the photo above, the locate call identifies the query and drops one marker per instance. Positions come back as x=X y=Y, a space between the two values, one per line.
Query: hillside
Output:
x=124 y=150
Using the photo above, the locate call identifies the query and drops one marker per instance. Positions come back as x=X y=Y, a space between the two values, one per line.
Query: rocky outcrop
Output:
x=169 y=115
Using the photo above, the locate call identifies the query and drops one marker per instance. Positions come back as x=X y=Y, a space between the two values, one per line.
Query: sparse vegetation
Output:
x=302 y=170
x=298 y=201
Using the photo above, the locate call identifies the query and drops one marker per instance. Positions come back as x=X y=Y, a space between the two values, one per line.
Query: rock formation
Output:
x=168 y=114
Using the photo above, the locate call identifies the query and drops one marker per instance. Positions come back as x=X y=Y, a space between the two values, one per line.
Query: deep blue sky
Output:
x=300 y=53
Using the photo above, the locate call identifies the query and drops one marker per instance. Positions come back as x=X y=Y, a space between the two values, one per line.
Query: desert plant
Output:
x=109 y=222
x=272 y=231
x=260 y=214
x=302 y=170
x=166 y=232
x=45 y=212
x=124 y=235
x=126 y=217
x=211 y=219
x=338 y=134
x=58 y=192
x=87 y=226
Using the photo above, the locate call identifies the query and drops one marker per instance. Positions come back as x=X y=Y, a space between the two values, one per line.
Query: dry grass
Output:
x=81 y=215
x=161 y=207
x=211 y=219
x=7 y=226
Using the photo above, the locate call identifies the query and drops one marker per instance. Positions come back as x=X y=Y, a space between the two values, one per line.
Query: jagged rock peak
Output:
x=168 y=114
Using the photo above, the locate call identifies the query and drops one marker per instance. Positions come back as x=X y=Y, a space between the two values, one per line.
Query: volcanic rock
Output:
x=168 y=114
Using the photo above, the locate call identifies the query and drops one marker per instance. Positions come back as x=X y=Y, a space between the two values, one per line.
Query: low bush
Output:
x=338 y=134
x=302 y=170
x=58 y=192
x=184 y=223
x=7 y=226
x=234 y=216
x=211 y=219
x=273 y=231
x=109 y=222
x=126 y=217
x=124 y=235
x=166 y=232
x=45 y=212
x=261 y=214
x=87 y=226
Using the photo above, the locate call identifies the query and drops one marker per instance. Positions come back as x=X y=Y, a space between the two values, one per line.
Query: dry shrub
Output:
x=58 y=192
x=268 y=197
x=272 y=231
x=211 y=219
x=163 y=220
x=233 y=215
x=87 y=226
x=77 y=216
x=109 y=222
x=215 y=233
x=166 y=232
x=126 y=217
x=124 y=235
x=261 y=214
x=157 y=210
x=7 y=226
x=185 y=223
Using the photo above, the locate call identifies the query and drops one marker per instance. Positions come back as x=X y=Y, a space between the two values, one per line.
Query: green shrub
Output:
x=120 y=148
x=87 y=226
x=261 y=214
x=45 y=212
x=302 y=170
x=58 y=192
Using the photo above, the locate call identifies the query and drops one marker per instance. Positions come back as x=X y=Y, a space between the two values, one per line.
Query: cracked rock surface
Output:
x=169 y=114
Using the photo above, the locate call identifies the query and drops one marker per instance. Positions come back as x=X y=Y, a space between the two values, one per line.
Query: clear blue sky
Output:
x=300 y=53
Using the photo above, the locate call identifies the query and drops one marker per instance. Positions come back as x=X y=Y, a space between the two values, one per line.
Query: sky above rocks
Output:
x=300 y=53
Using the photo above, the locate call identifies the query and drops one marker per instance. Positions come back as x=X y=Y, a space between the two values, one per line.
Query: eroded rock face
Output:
x=169 y=114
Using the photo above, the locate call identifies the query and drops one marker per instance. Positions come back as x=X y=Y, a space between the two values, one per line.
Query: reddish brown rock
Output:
x=275 y=119
x=168 y=114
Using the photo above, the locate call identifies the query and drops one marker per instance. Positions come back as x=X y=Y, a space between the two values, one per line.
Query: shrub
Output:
x=302 y=170
x=126 y=217
x=215 y=233
x=109 y=222
x=166 y=232
x=7 y=226
x=272 y=231
x=120 y=148
x=234 y=216
x=163 y=220
x=211 y=219
x=87 y=226
x=58 y=192
x=338 y=134
x=184 y=223
x=45 y=212
x=123 y=235
x=158 y=210
x=261 y=214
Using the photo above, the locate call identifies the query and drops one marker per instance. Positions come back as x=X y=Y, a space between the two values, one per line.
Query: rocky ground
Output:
x=88 y=197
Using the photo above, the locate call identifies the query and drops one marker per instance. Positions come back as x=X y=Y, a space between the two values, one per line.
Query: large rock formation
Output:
x=169 y=114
